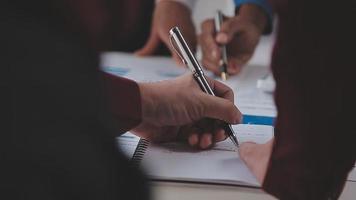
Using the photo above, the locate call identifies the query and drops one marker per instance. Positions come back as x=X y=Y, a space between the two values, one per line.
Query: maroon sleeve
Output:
x=313 y=66
x=124 y=101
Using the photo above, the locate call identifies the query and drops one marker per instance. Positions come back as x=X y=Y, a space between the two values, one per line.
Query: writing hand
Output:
x=178 y=108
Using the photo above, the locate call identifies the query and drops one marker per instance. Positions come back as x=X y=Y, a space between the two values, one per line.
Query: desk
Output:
x=187 y=191
x=190 y=191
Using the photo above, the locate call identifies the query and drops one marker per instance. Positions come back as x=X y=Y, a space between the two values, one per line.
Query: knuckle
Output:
x=229 y=26
x=226 y=26
x=207 y=38
x=205 y=26
x=203 y=42
x=231 y=111
x=200 y=38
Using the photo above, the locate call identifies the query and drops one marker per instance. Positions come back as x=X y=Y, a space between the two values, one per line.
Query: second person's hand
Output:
x=168 y=14
x=240 y=33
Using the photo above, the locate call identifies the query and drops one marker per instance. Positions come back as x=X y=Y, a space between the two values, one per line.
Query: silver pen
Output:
x=180 y=46
x=218 y=20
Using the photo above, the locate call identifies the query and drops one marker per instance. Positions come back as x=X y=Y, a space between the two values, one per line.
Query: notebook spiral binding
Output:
x=139 y=152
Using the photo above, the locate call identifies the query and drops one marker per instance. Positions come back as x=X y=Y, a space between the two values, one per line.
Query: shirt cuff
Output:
x=124 y=101
x=265 y=6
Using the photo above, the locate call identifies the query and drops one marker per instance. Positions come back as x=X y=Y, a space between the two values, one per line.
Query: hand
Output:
x=241 y=35
x=256 y=157
x=178 y=108
x=168 y=14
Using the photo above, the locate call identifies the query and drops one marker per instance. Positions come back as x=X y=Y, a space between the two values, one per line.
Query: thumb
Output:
x=251 y=152
x=222 y=109
x=151 y=45
x=256 y=157
x=228 y=30
x=245 y=151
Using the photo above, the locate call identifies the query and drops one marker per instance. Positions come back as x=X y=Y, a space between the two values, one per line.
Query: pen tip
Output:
x=234 y=140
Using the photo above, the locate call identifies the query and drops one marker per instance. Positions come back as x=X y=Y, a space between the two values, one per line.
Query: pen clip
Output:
x=176 y=49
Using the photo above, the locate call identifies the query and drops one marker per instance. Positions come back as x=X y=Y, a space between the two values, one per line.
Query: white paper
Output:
x=221 y=164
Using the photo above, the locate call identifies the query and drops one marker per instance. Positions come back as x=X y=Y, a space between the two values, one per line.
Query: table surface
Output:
x=191 y=191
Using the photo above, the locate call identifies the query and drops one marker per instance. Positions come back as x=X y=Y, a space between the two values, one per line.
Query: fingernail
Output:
x=234 y=65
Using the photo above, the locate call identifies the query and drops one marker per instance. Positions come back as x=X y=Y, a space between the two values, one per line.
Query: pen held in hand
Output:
x=182 y=49
x=224 y=71
x=218 y=20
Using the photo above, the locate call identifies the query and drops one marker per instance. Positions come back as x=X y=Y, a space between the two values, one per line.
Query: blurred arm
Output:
x=124 y=101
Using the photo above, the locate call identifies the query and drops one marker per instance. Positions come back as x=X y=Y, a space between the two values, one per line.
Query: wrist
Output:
x=254 y=14
x=149 y=101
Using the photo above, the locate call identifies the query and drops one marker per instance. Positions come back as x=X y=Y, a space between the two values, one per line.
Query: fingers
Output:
x=210 y=49
x=221 y=90
x=205 y=105
x=210 y=42
x=203 y=134
x=193 y=139
x=222 y=109
x=220 y=135
x=206 y=140
x=151 y=45
x=201 y=141
x=228 y=30
x=222 y=105
x=234 y=66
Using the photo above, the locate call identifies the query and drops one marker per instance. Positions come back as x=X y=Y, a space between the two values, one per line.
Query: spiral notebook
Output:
x=179 y=162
